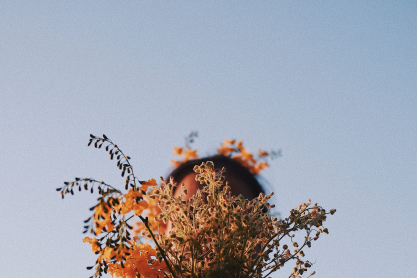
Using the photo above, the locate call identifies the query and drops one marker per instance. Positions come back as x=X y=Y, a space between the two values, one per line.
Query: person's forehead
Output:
x=236 y=183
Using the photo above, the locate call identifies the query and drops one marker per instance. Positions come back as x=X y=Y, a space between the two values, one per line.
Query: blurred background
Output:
x=331 y=84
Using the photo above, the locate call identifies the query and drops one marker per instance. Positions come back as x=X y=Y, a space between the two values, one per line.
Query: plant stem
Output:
x=145 y=221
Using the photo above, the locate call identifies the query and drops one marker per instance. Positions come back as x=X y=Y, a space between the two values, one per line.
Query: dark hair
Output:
x=220 y=161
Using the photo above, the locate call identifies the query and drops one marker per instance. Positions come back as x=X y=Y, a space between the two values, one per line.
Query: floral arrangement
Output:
x=214 y=234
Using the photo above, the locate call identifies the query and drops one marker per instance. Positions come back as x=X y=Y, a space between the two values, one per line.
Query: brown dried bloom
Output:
x=215 y=234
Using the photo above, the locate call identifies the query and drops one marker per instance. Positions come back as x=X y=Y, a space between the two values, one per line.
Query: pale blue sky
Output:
x=331 y=84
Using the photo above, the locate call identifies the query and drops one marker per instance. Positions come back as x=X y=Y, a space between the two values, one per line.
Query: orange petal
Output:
x=189 y=154
x=262 y=153
x=225 y=151
x=178 y=151
x=229 y=142
x=175 y=163
x=139 y=207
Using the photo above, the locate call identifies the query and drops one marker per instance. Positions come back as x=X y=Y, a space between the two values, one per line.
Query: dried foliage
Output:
x=213 y=234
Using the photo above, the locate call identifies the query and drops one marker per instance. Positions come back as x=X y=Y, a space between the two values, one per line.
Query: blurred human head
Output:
x=239 y=178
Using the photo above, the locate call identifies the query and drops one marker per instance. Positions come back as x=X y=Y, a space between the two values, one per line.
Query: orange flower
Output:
x=247 y=155
x=225 y=150
x=139 y=207
x=229 y=142
x=228 y=148
x=137 y=263
x=175 y=163
x=108 y=253
x=189 y=154
x=102 y=218
x=146 y=184
x=130 y=200
x=261 y=166
x=178 y=151
x=262 y=153
x=239 y=144
x=93 y=242
x=152 y=213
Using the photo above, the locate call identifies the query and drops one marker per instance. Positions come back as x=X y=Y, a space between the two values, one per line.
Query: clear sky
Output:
x=330 y=83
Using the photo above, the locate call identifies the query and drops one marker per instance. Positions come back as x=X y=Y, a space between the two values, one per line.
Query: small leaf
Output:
x=59 y=189
x=105 y=137
x=90 y=267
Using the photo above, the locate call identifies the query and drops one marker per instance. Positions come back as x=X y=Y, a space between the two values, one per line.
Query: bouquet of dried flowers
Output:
x=213 y=234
